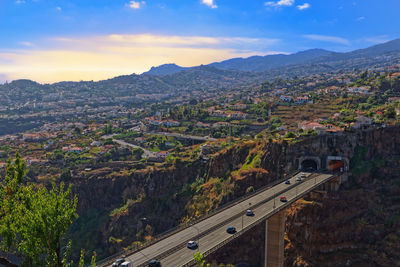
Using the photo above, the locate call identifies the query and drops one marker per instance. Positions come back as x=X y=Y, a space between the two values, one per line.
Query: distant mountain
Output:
x=230 y=74
x=379 y=49
x=376 y=50
x=384 y=54
x=165 y=70
x=21 y=84
x=24 y=83
x=263 y=63
x=318 y=60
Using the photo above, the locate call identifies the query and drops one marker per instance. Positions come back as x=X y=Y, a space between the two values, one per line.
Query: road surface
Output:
x=185 y=136
x=147 y=153
x=211 y=232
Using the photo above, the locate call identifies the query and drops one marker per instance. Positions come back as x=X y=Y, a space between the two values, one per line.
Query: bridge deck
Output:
x=211 y=232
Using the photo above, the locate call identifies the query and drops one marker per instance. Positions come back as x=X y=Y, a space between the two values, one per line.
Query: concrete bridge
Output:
x=210 y=232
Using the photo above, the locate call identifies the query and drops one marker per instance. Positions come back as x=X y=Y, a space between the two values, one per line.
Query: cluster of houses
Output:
x=296 y=100
x=160 y=122
x=319 y=128
x=239 y=115
x=362 y=122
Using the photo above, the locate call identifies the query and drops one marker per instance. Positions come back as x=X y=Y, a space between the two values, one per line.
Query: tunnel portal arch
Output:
x=337 y=164
x=310 y=163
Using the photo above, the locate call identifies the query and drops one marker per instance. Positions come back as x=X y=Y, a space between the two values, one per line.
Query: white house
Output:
x=362 y=122
x=286 y=98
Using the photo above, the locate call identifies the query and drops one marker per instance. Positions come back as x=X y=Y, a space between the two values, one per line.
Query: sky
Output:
x=57 y=40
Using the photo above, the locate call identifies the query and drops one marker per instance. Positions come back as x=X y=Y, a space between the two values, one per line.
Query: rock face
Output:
x=116 y=210
x=127 y=207
x=356 y=226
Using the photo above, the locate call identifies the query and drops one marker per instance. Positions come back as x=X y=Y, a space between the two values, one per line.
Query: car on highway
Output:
x=283 y=199
x=231 y=230
x=298 y=179
x=287 y=182
x=118 y=262
x=192 y=245
x=303 y=175
x=126 y=264
x=154 y=263
x=249 y=213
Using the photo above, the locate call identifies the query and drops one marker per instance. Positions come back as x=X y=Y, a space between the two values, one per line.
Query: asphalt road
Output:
x=211 y=232
x=147 y=153
x=194 y=137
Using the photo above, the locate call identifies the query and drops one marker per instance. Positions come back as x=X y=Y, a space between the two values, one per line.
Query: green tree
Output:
x=390 y=113
x=137 y=153
x=77 y=130
x=199 y=258
x=33 y=219
x=290 y=135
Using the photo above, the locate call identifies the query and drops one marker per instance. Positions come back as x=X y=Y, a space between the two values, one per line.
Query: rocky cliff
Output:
x=126 y=207
x=355 y=226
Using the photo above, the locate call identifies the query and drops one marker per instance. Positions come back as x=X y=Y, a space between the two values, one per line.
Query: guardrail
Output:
x=183 y=244
x=263 y=218
x=168 y=233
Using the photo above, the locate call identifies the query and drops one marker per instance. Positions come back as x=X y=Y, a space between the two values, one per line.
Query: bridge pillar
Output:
x=274 y=240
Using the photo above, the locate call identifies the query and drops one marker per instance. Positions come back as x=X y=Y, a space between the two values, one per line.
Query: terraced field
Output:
x=292 y=115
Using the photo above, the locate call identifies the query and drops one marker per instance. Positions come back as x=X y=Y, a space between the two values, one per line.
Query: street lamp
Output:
x=274 y=196
x=242 y=213
x=198 y=236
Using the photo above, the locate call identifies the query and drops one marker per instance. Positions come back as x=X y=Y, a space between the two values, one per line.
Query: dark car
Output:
x=231 y=230
x=287 y=182
x=249 y=213
x=283 y=199
x=118 y=262
x=192 y=245
x=154 y=263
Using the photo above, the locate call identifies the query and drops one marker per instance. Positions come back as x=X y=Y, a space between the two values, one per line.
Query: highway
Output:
x=211 y=234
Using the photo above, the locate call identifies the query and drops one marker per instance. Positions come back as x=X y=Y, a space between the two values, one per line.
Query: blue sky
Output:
x=86 y=39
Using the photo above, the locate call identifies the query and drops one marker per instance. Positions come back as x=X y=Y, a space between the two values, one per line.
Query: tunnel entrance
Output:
x=309 y=165
x=336 y=165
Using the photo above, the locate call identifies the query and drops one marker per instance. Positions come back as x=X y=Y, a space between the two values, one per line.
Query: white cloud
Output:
x=377 y=39
x=280 y=3
x=59 y=8
x=209 y=3
x=326 y=38
x=106 y=56
x=360 y=18
x=19 y=2
x=136 y=5
x=25 y=43
x=303 y=6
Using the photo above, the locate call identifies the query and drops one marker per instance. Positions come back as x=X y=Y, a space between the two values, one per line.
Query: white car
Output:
x=192 y=245
x=249 y=213
x=118 y=262
x=303 y=175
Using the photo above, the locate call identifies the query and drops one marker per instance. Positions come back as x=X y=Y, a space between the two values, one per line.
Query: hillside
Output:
x=263 y=63
x=171 y=80
x=165 y=69
x=303 y=63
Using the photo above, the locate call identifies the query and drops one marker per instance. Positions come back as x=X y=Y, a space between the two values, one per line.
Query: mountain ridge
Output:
x=309 y=61
x=269 y=62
